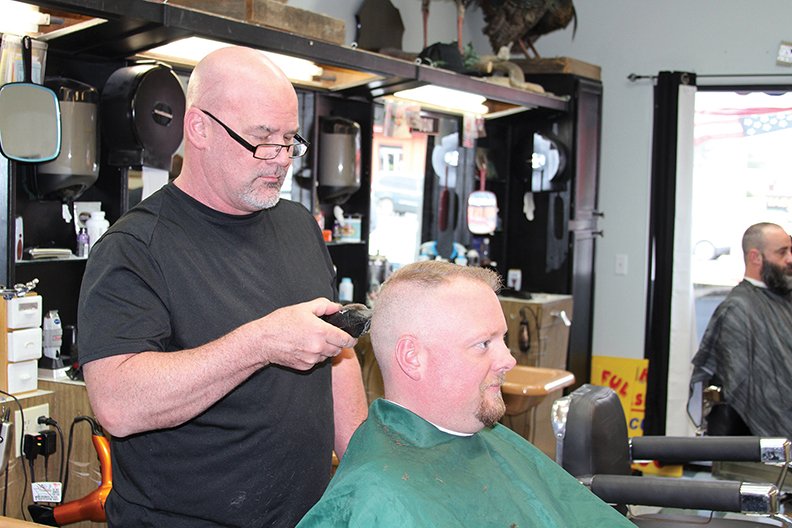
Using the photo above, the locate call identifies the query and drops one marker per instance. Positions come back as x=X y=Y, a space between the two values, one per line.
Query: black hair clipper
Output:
x=354 y=319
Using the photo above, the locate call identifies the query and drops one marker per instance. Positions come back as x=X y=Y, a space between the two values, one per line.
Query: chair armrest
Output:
x=715 y=495
x=671 y=449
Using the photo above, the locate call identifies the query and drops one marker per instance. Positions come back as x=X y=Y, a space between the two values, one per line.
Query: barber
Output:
x=201 y=340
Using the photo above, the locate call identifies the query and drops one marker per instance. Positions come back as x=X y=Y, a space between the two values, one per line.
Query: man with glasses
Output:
x=202 y=345
x=747 y=347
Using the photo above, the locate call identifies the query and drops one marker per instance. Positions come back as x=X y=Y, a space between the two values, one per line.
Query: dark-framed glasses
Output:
x=266 y=151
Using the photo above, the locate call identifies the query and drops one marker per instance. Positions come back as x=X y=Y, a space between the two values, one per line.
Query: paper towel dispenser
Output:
x=142 y=108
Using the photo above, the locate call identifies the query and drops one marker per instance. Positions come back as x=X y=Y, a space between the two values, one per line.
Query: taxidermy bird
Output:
x=522 y=22
x=512 y=21
x=461 y=5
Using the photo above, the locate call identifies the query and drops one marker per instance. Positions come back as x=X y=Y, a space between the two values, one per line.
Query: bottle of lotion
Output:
x=345 y=290
x=96 y=225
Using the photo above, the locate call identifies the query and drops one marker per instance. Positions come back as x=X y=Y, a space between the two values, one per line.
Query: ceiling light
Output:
x=18 y=18
x=191 y=50
x=445 y=99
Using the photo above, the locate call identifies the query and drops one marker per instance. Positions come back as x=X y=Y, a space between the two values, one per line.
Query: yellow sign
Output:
x=627 y=377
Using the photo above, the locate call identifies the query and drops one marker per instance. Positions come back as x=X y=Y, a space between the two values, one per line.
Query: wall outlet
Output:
x=621 y=265
x=784 y=57
x=31 y=423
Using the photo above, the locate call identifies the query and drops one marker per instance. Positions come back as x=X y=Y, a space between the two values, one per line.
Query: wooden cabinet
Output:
x=544 y=319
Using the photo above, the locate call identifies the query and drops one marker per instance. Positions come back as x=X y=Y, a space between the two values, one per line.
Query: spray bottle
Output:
x=52 y=340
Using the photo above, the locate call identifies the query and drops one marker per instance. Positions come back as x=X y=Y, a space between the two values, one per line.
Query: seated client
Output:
x=432 y=453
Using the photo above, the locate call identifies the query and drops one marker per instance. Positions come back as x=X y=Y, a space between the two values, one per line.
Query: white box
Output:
x=24 y=312
x=23 y=376
x=24 y=344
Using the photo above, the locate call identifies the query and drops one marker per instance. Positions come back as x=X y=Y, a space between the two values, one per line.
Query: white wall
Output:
x=624 y=37
x=442 y=21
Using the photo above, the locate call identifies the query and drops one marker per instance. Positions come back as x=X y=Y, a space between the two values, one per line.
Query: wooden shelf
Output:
x=132 y=27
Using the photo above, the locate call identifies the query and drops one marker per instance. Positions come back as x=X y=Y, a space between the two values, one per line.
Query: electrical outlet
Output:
x=621 y=265
x=31 y=423
x=784 y=57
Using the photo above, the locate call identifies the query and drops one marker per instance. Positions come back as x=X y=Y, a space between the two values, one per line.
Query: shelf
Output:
x=131 y=27
x=29 y=262
x=345 y=243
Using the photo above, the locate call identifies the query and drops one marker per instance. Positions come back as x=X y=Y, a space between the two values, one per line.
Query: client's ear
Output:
x=408 y=357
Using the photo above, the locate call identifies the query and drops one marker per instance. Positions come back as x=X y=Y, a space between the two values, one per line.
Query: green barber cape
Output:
x=401 y=471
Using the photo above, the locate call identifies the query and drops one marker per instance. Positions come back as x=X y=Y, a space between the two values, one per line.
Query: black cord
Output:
x=68 y=457
x=5 y=490
x=62 y=454
x=21 y=436
x=94 y=430
x=54 y=423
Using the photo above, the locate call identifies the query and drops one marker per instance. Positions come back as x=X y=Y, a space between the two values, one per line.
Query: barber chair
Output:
x=593 y=446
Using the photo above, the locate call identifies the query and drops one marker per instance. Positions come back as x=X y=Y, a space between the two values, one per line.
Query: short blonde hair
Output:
x=411 y=284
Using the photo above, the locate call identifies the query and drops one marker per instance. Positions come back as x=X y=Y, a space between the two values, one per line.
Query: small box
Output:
x=23 y=312
x=24 y=344
x=352 y=230
x=23 y=376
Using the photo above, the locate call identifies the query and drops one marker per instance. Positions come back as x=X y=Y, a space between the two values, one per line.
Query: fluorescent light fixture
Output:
x=190 y=50
x=445 y=98
x=18 y=18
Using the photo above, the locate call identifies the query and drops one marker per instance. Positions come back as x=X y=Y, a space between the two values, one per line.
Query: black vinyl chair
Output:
x=592 y=445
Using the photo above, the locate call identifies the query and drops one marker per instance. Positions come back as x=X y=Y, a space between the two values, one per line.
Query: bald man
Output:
x=203 y=350
x=432 y=453
x=747 y=347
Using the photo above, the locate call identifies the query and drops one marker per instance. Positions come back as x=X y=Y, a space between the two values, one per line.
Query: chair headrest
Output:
x=595 y=440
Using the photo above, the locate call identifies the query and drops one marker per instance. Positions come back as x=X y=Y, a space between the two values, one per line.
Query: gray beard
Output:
x=269 y=202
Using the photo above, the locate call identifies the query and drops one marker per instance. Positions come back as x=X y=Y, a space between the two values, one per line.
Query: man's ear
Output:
x=755 y=257
x=408 y=357
x=195 y=127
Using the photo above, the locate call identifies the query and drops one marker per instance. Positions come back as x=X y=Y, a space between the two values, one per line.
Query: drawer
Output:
x=24 y=344
x=23 y=376
x=24 y=312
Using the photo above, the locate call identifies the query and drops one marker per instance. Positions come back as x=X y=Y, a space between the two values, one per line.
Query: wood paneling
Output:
x=66 y=401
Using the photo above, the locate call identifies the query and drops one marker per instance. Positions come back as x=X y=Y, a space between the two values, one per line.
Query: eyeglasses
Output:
x=266 y=151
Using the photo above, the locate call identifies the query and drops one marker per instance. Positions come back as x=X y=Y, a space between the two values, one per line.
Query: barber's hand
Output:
x=296 y=337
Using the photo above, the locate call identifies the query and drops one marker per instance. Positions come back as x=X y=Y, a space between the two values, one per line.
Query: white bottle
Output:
x=346 y=290
x=52 y=338
x=96 y=225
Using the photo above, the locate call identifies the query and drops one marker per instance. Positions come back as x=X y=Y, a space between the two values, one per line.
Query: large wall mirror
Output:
x=410 y=190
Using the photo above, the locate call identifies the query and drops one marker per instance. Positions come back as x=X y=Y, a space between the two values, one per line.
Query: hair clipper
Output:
x=354 y=319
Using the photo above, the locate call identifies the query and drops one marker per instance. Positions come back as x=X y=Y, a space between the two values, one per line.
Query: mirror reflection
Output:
x=397 y=184
x=30 y=125
x=407 y=163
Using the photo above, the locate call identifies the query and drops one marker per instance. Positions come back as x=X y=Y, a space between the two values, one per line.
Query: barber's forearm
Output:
x=350 y=406
x=154 y=390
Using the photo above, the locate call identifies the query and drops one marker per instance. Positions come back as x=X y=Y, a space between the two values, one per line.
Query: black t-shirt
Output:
x=173 y=274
